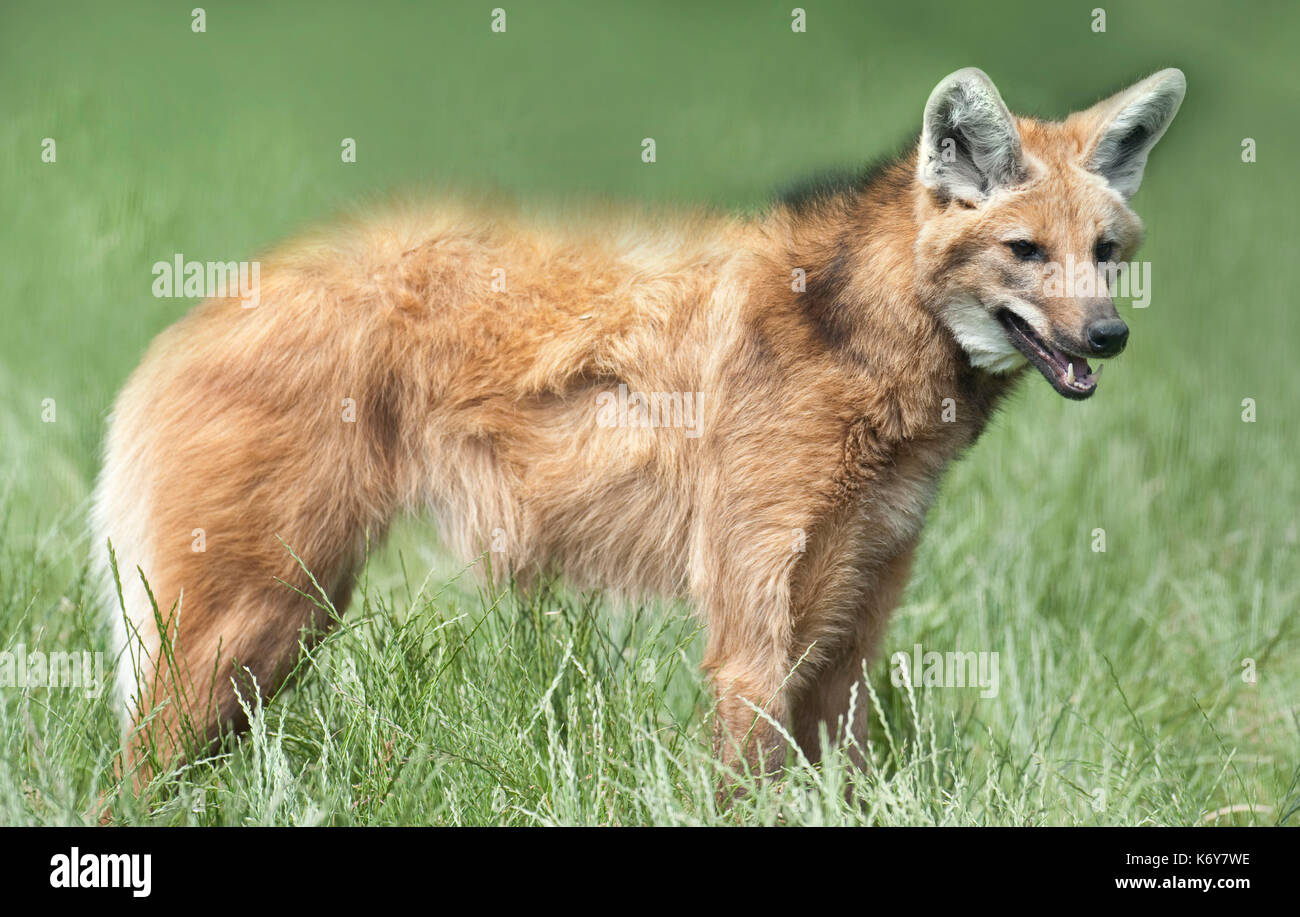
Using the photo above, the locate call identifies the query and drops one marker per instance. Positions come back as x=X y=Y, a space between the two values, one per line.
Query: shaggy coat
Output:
x=845 y=347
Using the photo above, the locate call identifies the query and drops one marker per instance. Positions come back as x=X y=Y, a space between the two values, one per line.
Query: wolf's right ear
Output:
x=1126 y=126
x=969 y=142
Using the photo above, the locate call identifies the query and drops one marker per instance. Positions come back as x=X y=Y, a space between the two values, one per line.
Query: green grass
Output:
x=1121 y=699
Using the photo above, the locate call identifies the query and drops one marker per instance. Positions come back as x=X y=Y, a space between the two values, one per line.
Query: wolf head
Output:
x=1026 y=222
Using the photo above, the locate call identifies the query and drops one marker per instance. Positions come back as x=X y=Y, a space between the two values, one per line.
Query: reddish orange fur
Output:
x=824 y=415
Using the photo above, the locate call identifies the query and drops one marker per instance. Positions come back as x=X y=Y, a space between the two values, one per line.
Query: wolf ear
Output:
x=1127 y=125
x=969 y=142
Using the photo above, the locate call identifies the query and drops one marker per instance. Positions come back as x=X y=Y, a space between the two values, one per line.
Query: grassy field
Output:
x=1122 y=698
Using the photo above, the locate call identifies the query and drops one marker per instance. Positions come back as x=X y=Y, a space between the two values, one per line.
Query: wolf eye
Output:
x=1024 y=250
x=1105 y=251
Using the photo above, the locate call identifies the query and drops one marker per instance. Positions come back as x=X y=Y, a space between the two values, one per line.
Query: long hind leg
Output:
x=223 y=645
x=234 y=615
x=210 y=502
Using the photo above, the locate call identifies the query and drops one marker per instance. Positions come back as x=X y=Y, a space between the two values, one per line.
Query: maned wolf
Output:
x=468 y=363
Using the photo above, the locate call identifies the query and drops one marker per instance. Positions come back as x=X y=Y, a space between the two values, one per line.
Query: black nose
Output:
x=1108 y=336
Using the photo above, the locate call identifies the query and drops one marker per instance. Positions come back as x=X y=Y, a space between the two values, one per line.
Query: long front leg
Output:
x=765 y=496
x=835 y=696
x=741 y=583
x=750 y=681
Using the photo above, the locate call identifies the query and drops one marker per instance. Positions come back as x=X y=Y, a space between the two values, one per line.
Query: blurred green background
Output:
x=219 y=144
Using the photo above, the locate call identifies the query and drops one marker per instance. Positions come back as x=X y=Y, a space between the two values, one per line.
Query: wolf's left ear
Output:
x=1127 y=125
x=969 y=142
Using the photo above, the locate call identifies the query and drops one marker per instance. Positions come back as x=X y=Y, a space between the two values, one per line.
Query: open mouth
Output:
x=1069 y=375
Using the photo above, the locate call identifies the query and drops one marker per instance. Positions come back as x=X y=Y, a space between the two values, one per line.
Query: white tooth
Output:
x=1069 y=374
x=1096 y=373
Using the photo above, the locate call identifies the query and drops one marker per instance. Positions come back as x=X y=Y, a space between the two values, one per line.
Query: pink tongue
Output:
x=1081 y=367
